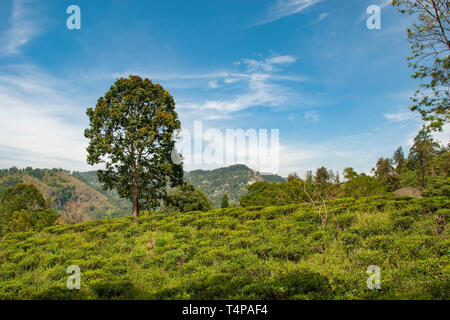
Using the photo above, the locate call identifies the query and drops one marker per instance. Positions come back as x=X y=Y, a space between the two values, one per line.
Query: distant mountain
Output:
x=272 y=178
x=233 y=180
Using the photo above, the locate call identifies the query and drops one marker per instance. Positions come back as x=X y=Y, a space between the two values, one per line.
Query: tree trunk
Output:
x=134 y=194
x=134 y=186
x=135 y=205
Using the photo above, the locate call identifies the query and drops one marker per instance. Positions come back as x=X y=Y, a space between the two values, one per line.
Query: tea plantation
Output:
x=280 y=252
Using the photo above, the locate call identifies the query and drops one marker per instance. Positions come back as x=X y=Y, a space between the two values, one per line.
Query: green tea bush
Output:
x=239 y=253
x=112 y=288
x=345 y=220
x=403 y=223
x=299 y=284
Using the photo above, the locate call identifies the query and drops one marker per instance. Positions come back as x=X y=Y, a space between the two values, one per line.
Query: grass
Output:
x=239 y=253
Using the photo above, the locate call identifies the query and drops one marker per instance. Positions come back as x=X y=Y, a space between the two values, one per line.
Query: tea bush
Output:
x=277 y=252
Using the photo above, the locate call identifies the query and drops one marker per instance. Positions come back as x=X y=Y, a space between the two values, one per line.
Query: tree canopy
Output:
x=186 y=198
x=430 y=45
x=224 y=202
x=130 y=131
x=24 y=208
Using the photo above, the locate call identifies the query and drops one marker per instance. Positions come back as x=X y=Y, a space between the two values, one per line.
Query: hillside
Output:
x=73 y=199
x=240 y=253
x=90 y=178
x=79 y=196
x=233 y=180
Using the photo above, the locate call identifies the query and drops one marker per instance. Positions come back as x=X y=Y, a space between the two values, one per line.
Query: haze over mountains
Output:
x=78 y=196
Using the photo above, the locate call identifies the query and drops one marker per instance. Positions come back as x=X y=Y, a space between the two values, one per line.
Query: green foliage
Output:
x=232 y=180
x=429 y=37
x=131 y=130
x=239 y=253
x=289 y=192
x=224 y=203
x=23 y=208
x=421 y=155
x=186 y=198
x=437 y=186
x=23 y=196
x=386 y=173
x=91 y=179
x=363 y=186
x=75 y=197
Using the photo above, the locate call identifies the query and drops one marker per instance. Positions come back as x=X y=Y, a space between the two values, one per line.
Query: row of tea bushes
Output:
x=240 y=253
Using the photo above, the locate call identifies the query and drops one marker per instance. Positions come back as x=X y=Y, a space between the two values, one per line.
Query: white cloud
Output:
x=260 y=93
x=401 y=116
x=284 y=8
x=312 y=116
x=38 y=126
x=267 y=64
x=261 y=89
x=213 y=84
x=24 y=27
x=322 y=16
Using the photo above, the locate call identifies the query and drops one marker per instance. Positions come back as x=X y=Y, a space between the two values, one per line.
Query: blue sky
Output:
x=338 y=92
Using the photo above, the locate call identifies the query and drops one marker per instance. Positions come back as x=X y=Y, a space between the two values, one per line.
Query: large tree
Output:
x=383 y=168
x=421 y=155
x=430 y=44
x=322 y=176
x=399 y=160
x=130 y=131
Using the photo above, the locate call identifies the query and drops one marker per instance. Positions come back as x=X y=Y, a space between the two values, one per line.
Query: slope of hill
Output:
x=240 y=253
x=90 y=178
x=73 y=199
x=232 y=180
x=79 y=196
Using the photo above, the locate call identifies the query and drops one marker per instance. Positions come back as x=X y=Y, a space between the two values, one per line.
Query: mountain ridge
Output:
x=79 y=197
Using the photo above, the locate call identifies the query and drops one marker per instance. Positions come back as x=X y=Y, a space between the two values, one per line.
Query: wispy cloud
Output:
x=37 y=122
x=260 y=93
x=267 y=64
x=284 y=8
x=401 y=116
x=213 y=84
x=260 y=77
x=312 y=116
x=24 y=27
x=322 y=16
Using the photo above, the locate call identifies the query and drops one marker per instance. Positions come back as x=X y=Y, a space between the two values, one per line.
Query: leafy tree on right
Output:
x=430 y=59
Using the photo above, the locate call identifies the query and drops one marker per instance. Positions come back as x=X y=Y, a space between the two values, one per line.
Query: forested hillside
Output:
x=281 y=252
x=75 y=200
x=233 y=180
x=79 y=196
x=90 y=178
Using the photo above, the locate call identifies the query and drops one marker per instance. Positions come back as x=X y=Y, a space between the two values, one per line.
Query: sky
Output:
x=337 y=91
